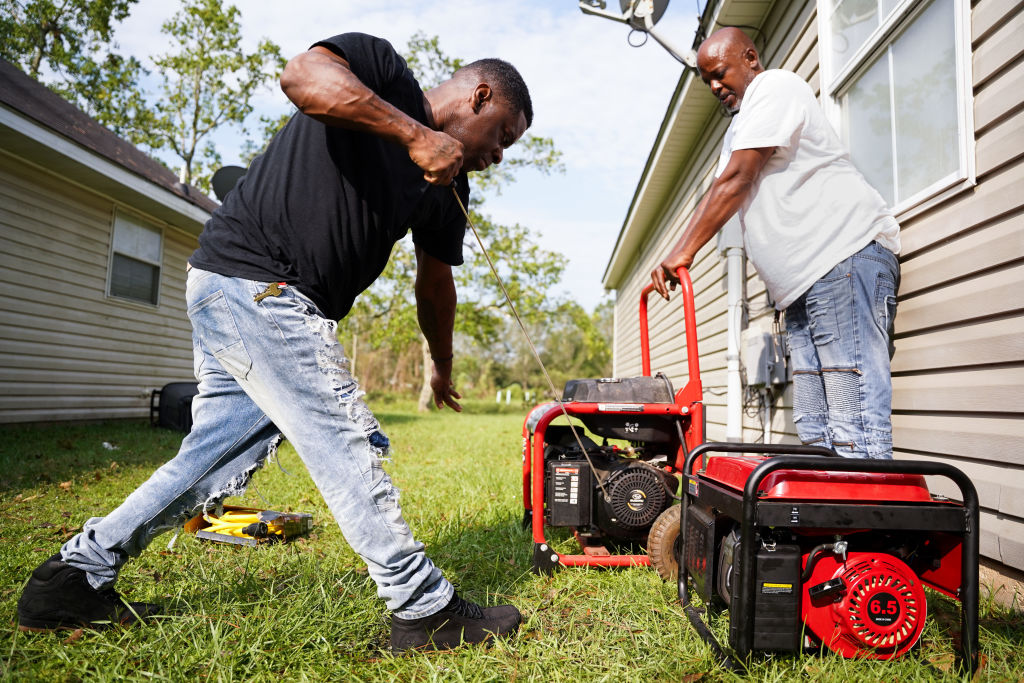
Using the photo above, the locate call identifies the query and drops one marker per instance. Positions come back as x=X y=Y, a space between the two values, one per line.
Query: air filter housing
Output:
x=636 y=496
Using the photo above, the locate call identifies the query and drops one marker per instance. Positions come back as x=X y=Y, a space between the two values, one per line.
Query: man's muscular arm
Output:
x=725 y=197
x=321 y=85
x=435 y=309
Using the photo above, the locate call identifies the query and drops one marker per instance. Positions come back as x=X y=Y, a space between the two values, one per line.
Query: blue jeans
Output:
x=266 y=369
x=840 y=342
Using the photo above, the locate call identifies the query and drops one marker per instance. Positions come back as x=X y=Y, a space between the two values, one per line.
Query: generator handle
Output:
x=765 y=448
x=689 y=322
x=968 y=655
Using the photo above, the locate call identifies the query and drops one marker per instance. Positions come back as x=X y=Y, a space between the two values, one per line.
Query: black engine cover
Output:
x=623 y=399
x=636 y=493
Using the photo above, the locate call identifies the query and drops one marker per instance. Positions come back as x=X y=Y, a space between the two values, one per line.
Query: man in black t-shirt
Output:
x=369 y=157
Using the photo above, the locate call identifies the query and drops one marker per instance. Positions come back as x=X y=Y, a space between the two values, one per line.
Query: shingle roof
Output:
x=37 y=102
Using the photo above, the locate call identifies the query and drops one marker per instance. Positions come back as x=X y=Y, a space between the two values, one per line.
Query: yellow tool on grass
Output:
x=248 y=526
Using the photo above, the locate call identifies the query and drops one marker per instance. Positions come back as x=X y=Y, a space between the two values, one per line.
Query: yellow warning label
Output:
x=768 y=588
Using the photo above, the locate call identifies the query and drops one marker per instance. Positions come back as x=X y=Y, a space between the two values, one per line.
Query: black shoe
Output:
x=458 y=623
x=58 y=596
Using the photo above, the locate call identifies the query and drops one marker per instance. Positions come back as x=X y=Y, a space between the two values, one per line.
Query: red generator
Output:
x=612 y=496
x=839 y=550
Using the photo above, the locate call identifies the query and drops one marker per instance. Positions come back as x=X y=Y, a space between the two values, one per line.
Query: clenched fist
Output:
x=439 y=155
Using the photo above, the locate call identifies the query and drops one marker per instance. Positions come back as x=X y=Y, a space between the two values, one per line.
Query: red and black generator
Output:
x=839 y=550
x=612 y=496
x=805 y=549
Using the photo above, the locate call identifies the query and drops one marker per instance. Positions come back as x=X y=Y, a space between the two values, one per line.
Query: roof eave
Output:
x=39 y=145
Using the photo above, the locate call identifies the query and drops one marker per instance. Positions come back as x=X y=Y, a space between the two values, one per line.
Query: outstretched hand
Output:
x=443 y=388
x=439 y=155
x=665 y=276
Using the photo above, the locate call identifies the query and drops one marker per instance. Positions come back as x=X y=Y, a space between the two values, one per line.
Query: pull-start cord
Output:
x=515 y=314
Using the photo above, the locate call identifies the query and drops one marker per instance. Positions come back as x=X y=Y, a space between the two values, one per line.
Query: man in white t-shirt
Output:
x=821 y=238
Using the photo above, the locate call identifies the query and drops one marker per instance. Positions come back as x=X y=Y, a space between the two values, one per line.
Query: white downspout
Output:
x=730 y=242
x=615 y=336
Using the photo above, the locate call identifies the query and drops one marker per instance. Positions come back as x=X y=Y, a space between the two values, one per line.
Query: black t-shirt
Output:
x=322 y=208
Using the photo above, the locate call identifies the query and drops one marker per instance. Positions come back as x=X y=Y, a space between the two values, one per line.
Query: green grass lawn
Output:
x=308 y=611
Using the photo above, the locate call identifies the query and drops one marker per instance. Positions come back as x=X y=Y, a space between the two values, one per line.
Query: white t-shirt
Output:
x=811 y=208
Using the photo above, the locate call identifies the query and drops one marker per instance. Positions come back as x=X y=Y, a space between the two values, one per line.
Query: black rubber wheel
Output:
x=663 y=543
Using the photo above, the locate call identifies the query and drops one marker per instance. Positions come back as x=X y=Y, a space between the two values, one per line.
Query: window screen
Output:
x=135 y=260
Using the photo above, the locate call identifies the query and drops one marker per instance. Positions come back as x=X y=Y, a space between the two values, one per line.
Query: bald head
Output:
x=728 y=62
x=726 y=41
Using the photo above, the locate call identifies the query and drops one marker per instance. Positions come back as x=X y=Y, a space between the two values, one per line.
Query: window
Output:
x=135 y=260
x=896 y=84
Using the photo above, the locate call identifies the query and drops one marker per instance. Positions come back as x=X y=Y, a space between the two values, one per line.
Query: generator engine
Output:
x=861 y=603
x=635 y=491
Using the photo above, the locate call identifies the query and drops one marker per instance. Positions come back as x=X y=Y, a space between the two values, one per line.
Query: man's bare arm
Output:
x=724 y=199
x=435 y=310
x=321 y=84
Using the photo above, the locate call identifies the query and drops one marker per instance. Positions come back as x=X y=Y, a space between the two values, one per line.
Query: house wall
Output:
x=69 y=352
x=958 y=372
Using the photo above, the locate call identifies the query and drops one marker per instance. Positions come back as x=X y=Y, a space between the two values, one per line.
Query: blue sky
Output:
x=601 y=100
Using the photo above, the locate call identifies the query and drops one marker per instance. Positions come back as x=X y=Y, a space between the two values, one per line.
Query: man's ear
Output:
x=481 y=94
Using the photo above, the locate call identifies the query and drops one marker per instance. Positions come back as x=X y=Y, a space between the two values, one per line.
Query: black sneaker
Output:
x=58 y=596
x=458 y=623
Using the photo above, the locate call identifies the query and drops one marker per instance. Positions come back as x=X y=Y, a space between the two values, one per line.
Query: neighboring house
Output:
x=927 y=94
x=94 y=236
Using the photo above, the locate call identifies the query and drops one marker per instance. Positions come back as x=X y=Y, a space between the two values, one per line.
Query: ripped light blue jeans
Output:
x=840 y=343
x=265 y=369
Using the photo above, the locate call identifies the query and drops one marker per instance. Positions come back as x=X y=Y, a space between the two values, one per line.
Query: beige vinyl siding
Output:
x=958 y=373
x=70 y=351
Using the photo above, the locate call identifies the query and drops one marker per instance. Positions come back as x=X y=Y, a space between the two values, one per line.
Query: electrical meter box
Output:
x=764 y=358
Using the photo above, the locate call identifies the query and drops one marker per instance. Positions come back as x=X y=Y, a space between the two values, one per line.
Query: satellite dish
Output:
x=225 y=179
x=643 y=14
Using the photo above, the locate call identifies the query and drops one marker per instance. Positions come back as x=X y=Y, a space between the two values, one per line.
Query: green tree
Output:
x=208 y=81
x=527 y=270
x=578 y=343
x=384 y=317
x=269 y=127
x=484 y=321
x=68 y=44
x=572 y=343
x=56 y=33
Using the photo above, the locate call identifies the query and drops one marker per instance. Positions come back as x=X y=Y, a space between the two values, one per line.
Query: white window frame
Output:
x=835 y=84
x=146 y=223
